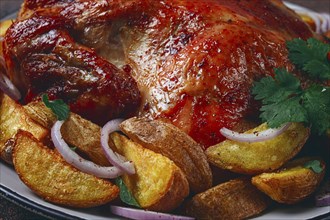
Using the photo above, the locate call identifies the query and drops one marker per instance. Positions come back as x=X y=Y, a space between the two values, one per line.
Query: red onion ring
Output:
x=254 y=137
x=6 y=85
x=80 y=163
x=114 y=158
x=144 y=214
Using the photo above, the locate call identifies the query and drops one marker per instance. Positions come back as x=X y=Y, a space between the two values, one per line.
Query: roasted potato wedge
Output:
x=290 y=184
x=161 y=191
x=48 y=175
x=259 y=157
x=173 y=143
x=236 y=199
x=158 y=183
x=76 y=131
x=12 y=118
x=4 y=25
x=40 y=113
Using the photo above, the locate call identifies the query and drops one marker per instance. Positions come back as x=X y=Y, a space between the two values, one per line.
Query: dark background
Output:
x=12 y=211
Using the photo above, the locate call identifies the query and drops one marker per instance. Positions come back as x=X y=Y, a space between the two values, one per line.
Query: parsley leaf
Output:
x=271 y=90
x=316 y=101
x=278 y=113
x=125 y=195
x=58 y=107
x=314 y=165
x=311 y=57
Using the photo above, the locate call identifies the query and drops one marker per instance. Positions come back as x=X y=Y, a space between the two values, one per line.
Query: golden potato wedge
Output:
x=158 y=183
x=12 y=118
x=4 y=25
x=173 y=143
x=292 y=183
x=48 y=175
x=76 y=131
x=236 y=199
x=40 y=113
x=259 y=157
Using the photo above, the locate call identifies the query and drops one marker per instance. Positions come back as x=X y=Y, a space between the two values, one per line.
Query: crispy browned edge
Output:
x=235 y=199
x=113 y=189
x=166 y=139
x=293 y=188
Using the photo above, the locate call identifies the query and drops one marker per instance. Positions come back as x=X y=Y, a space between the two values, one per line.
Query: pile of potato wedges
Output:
x=230 y=180
x=172 y=170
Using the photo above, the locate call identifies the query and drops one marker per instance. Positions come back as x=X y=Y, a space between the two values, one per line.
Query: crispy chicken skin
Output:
x=192 y=63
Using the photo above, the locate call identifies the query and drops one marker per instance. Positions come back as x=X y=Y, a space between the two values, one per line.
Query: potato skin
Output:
x=235 y=199
x=168 y=140
x=46 y=173
x=158 y=184
x=258 y=157
x=290 y=184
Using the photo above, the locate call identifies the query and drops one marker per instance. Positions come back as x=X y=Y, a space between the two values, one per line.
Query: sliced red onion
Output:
x=80 y=163
x=322 y=197
x=144 y=214
x=254 y=137
x=6 y=85
x=114 y=158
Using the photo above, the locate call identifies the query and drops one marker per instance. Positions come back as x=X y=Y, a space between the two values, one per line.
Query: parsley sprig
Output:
x=314 y=165
x=58 y=107
x=283 y=98
x=310 y=56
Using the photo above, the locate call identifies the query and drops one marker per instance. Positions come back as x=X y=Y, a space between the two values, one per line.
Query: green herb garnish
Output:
x=125 y=195
x=311 y=57
x=283 y=98
x=58 y=107
x=314 y=165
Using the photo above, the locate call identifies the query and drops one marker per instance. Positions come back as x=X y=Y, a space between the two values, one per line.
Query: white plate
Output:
x=12 y=188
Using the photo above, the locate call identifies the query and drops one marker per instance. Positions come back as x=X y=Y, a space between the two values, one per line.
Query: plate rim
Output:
x=32 y=206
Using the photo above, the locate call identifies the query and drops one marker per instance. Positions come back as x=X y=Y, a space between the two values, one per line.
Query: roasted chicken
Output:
x=190 y=62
